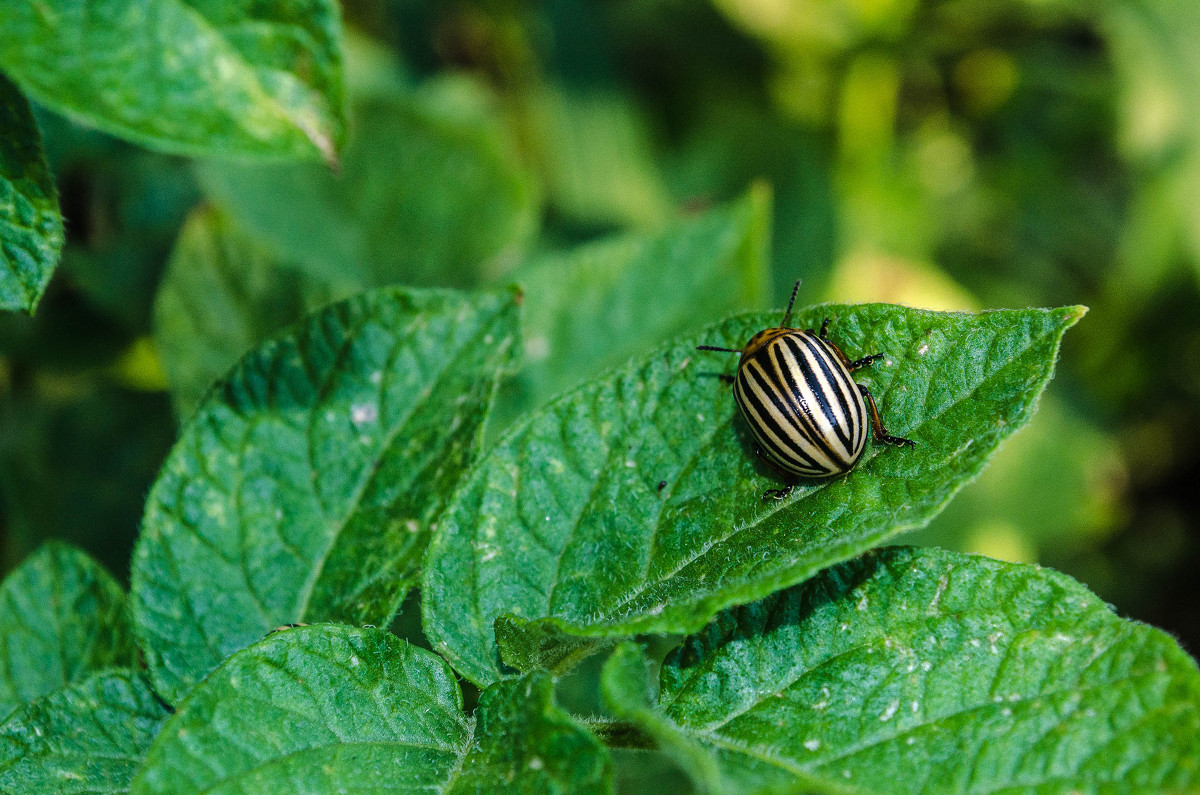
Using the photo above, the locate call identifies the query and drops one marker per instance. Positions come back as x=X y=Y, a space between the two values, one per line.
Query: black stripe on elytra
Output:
x=860 y=408
x=751 y=393
x=794 y=406
x=789 y=402
x=835 y=377
x=788 y=386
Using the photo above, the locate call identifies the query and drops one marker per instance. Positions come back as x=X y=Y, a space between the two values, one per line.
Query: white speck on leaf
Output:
x=924 y=349
x=537 y=348
x=890 y=711
x=536 y=763
x=362 y=413
x=812 y=745
x=377 y=377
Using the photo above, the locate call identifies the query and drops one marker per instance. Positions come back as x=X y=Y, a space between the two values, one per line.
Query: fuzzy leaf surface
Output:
x=598 y=304
x=235 y=78
x=221 y=296
x=88 y=737
x=62 y=617
x=634 y=504
x=323 y=708
x=302 y=488
x=31 y=230
x=931 y=670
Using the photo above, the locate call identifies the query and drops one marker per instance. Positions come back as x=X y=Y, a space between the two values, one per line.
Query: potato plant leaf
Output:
x=31 y=231
x=596 y=305
x=326 y=708
x=62 y=617
x=634 y=504
x=424 y=196
x=303 y=487
x=88 y=737
x=221 y=296
x=241 y=78
x=930 y=670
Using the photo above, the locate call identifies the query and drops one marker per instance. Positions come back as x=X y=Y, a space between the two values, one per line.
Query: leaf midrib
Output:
x=449 y=365
x=642 y=588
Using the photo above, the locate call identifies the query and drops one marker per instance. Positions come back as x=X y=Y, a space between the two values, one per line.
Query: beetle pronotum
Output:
x=806 y=412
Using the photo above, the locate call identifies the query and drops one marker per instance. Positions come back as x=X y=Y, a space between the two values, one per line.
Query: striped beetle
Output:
x=796 y=393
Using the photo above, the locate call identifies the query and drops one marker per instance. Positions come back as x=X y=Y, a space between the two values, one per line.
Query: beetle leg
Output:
x=863 y=362
x=774 y=494
x=778 y=494
x=881 y=434
x=726 y=379
x=824 y=328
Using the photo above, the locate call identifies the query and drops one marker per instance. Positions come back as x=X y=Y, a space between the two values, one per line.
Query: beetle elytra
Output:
x=796 y=392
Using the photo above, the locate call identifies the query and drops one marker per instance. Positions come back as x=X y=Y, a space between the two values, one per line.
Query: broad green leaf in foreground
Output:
x=424 y=196
x=62 y=617
x=598 y=304
x=634 y=504
x=87 y=737
x=31 y=232
x=222 y=295
x=235 y=78
x=302 y=488
x=319 y=709
x=929 y=670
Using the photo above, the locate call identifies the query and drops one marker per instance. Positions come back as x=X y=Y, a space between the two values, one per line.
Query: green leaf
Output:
x=598 y=304
x=86 y=738
x=318 y=709
x=62 y=617
x=634 y=504
x=596 y=156
x=240 y=78
x=932 y=671
x=424 y=196
x=523 y=742
x=31 y=231
x=222 y=295
x=303 y=487
x=530 y=645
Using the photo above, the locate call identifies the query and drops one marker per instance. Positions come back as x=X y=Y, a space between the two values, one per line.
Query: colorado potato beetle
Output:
x=805 y=410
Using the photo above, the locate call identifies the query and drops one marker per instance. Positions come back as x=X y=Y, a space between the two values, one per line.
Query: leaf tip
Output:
x=1073 y=314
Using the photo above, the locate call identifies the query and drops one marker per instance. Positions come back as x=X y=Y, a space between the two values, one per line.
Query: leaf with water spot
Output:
x=930 y=670
x=303 y=488
x=634 y=504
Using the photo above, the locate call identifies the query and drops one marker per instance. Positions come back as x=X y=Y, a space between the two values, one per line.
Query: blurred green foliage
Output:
x=945 y=154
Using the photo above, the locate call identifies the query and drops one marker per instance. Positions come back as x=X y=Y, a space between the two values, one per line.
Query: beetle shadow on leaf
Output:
x=749 y=446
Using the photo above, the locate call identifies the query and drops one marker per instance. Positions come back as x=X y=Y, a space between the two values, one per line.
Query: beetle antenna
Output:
x=715 y=348
x=788 y=313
